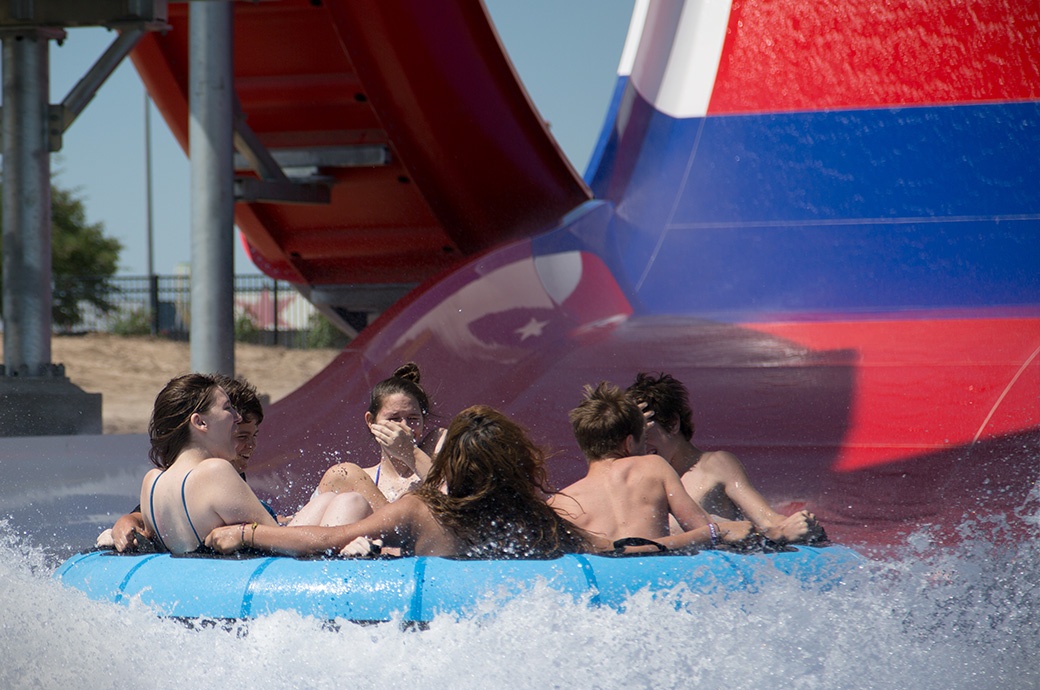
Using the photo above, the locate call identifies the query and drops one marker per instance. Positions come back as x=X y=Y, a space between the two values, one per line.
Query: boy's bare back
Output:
x=628 y=497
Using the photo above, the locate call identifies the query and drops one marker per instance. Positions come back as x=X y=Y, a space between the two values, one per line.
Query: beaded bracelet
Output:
x=713 y=529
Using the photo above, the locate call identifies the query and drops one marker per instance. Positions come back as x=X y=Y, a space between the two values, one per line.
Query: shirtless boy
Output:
x=716 y=480
x=627 y=493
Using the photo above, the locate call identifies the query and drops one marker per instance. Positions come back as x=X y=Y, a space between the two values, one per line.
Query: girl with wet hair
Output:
x=197 y=487
x=397 y=419
x=482 y=498
x=495 y=481
x=169 y=428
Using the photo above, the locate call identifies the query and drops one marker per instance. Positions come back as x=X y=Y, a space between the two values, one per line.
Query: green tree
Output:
x=83 y=260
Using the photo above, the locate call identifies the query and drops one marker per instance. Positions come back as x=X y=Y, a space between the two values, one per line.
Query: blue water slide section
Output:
x=754 y=216
x=607 y=142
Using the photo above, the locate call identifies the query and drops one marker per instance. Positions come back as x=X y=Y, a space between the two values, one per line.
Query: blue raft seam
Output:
x=72 y=563
x=247 y=596
x=419 y=577
x=590 y=578
x=129 y=575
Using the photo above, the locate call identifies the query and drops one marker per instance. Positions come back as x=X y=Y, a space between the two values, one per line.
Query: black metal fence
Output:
x=267 y=312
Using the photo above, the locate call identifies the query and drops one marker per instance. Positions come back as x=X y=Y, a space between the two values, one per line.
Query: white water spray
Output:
x=960 y=618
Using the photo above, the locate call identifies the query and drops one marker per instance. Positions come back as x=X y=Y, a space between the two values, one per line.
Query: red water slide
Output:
x=413 y=113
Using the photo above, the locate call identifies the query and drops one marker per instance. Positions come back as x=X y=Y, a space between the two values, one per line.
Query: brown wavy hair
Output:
x=168 y=429
x=667 y=398
x=495 y=479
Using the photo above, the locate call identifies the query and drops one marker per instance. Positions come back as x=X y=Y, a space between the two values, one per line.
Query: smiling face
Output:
x=245 y=443
x=220 y=422
x=403 y=408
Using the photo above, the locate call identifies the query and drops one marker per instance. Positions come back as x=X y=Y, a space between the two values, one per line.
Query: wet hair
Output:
x=169 y=429
x=244 y=398
x=603 y=420
x=405 y=379
x=667 y=398
x=495 y=481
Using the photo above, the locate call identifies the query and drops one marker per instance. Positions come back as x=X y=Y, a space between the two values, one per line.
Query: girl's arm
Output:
x=228 y=495
x=393 y=524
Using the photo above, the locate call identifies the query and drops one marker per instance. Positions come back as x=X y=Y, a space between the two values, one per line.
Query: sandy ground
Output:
x=130 y=371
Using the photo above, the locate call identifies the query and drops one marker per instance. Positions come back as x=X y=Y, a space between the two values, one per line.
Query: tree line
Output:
x=83 y=259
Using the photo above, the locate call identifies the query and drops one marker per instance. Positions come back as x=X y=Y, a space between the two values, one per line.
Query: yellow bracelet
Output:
x=252 y=535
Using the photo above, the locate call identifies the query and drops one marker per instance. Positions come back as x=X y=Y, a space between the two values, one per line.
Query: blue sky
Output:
x=566 y=52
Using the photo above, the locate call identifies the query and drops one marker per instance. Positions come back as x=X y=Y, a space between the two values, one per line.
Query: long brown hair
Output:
x=495 y=479
x=169 y=428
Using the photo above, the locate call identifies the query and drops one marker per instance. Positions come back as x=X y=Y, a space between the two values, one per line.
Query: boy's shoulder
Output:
x=647 y=464
x=717 y=463
x=637 y=468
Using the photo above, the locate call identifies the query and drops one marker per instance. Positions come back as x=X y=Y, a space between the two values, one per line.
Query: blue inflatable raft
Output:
x=417 y=589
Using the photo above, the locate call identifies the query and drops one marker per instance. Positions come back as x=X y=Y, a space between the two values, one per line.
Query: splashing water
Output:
x=961 y=618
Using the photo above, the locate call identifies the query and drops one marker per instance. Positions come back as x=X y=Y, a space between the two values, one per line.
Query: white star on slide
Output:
x=532 y=328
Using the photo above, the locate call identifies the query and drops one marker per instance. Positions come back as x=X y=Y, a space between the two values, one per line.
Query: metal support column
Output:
x=153 y=280
x=27 y=203
x=36 y=398
x=211 y=140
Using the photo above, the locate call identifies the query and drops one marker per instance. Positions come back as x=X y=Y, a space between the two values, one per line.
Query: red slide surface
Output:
x=430 y=83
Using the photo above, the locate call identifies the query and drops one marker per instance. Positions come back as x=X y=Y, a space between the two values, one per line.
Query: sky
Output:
x=566 y=52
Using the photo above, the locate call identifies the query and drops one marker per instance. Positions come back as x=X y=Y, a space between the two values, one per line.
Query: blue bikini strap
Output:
x=151 y=509
x=184 y=502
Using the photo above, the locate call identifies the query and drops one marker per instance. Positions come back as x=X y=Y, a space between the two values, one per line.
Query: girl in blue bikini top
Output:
x=195 y=488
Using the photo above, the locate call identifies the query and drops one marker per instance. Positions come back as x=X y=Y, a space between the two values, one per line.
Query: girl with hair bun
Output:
x=483 y=498
x=397 y=419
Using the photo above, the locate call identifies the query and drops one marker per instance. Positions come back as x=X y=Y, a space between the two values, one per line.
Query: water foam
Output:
x=952 y=618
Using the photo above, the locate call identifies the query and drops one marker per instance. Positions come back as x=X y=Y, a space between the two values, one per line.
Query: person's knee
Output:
x=353 y=502
x=336 y=479
x=356 y=502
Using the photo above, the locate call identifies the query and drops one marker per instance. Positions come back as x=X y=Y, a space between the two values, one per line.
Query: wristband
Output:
x=713 y=530
x=243 y=534
x=252 y=535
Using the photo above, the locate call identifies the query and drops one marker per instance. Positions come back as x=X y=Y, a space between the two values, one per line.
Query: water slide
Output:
x=409 y=110
x=825 y=222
